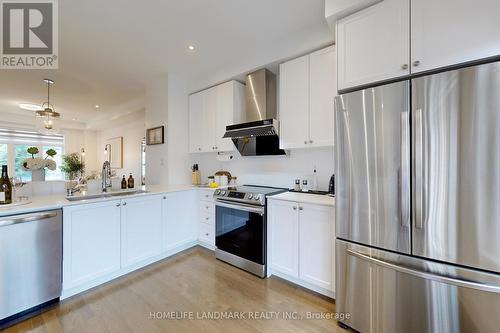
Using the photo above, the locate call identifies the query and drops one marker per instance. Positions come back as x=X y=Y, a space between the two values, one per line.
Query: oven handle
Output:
x=240 y=206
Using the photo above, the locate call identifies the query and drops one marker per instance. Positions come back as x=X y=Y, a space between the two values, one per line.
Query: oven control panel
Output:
x=247 y=197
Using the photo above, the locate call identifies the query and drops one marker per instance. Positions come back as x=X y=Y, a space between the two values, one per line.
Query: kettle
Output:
x=331 y=187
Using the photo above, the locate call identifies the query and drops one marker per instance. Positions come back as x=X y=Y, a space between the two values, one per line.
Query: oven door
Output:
x=240 y=230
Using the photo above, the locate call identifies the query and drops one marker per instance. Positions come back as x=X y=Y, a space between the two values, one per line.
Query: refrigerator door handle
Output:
x=418 y=147
x=426 y=275
x=404 y=182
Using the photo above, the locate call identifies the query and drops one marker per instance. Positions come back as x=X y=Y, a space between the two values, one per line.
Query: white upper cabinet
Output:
x=210 y=111
x=141 y=229
x=294 y=103
x=323 y=89
x=230 y=109
x=196 y=122
x=374 y=44
x=307 y=90
x=448 y=32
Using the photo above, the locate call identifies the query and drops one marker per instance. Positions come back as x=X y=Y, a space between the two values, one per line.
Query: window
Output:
x=13 y=150
x=4 y=154
x=57 y=173
x=20 y=155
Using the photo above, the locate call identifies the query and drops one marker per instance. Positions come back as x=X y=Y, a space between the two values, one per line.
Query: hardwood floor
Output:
x=192 y=283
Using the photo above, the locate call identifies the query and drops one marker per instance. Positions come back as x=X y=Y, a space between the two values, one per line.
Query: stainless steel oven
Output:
x=240 y=220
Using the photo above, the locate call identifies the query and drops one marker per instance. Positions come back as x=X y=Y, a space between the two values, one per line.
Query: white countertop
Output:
x=317 y=199
x=49 y=202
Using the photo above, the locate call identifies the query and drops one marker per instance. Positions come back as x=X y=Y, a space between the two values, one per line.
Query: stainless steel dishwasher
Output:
x=30 y=262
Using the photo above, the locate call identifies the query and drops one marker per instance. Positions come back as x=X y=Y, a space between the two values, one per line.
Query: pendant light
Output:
x=47 y=115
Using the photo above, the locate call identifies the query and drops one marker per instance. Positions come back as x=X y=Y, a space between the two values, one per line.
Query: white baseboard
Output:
x=302 y=283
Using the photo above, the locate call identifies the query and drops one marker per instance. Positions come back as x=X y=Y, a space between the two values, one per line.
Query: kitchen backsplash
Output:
x=278 y=171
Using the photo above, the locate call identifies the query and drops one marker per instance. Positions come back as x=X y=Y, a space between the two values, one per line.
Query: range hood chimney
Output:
x=258 y=135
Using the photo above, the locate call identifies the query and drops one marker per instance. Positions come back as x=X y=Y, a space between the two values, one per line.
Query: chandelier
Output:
x=47 y=114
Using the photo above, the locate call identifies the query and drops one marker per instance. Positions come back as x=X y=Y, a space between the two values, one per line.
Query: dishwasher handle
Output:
x=17 y=219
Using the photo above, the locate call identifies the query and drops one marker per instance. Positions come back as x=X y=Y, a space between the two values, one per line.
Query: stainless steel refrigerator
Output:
x=418 y=204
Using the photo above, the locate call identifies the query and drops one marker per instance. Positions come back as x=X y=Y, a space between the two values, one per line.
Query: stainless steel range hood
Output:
x=258 y=135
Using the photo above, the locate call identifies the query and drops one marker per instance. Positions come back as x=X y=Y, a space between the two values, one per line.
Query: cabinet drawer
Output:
x=207 y=218
x=207 y=207
x=206 y=195
x=206 y=233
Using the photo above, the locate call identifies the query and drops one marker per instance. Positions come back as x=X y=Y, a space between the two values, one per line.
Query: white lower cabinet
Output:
x=284 y=221
x=206 y=222
x=179 y=216
x=91 y=242
x=302 y=240
x=317 y=245
x=104 y=240
x=141 y=229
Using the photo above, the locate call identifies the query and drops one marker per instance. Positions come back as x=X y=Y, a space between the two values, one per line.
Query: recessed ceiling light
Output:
x=73 y=119
x=30 y=106
x=97 y=106
x=191 y=47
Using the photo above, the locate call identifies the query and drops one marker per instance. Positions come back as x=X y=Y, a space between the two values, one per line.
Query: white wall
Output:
x=75 y=140
x=156 y=114
x=131 y=128
x=178 y=132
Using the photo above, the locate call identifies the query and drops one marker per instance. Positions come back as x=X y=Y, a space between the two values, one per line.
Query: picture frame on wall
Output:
x=155 y=136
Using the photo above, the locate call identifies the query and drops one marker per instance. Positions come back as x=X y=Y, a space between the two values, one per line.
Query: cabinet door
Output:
x=180 y=218
x=294 y=103
x=284 y=219
x=91 y=242
x=141 y=229
x=448 y=32
x=196 y=122
x=323 y=89
x=373 y=44
x=211 y=104
x=316 y=244
x=224 y=115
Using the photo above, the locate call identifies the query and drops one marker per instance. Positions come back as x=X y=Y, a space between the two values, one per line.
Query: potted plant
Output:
x=37 y=165
x=72 y=166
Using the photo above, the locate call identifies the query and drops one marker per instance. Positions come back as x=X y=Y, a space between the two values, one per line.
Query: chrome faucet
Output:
x=106 y=176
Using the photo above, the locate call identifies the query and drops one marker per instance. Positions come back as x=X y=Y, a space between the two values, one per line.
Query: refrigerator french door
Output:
x=418 y=248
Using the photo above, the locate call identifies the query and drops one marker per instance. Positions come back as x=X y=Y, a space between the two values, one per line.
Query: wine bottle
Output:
x=5 y=187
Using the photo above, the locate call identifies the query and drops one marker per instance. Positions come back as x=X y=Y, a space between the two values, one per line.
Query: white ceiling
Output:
x=110 y=50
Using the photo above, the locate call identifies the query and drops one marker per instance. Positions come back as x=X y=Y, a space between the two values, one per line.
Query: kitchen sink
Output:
x=89 y=196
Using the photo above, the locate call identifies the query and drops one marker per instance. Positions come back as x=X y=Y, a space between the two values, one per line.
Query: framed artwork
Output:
x=116 y=155
x=155 y=136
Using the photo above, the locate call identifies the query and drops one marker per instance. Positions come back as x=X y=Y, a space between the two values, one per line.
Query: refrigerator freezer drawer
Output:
x=387 y=292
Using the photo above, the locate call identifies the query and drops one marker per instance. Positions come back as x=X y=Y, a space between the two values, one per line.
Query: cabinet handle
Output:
x=305 y=142
x=206 y=218
x=206 y=234
x=124 y=203
x=164 y=198
x=310 y=141
x=117 y=205
x=301 y=208
x=199 y=148
x=206 y=207
x=404 y=66
x=294 y=208
x=416 y=63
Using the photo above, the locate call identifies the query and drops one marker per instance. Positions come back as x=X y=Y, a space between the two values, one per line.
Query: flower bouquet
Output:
x=37 y=165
